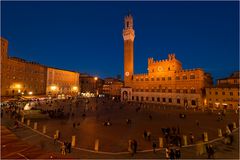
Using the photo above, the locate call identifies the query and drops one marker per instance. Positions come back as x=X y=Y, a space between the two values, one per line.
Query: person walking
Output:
x=167 y=152
x=154 y=145
x=177 y=153
x=63 y=149
x=145 y=134
x=191 y=138
x=134 y=146
x=171 y=154
x=69 y=145
x=54 y=138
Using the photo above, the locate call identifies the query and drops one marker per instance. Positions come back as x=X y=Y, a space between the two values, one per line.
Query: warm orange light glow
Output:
x=30 y=93
x=17 y=86
x=19 y=91
x=95 y=78
x=75 y=88
x=53 y=88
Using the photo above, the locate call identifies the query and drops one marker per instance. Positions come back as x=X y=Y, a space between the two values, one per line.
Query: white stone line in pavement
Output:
x=120 y=153
x=21 y=150
x=22 y=156
x=29 y=137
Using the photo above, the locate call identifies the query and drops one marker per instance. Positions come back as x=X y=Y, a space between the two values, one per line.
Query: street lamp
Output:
x=30 y=93
x=53 y=88
x=95 y=81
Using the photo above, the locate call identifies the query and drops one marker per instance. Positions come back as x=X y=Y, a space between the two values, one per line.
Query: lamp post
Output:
x=95 y=86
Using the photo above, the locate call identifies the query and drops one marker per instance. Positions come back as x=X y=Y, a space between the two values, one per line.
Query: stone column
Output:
x=160 y=142
x=57 y=134
x=44 y=129
x=129 y=145
x=184 y=140
x=22 y=120
x=28 y=122
x=228 y=130
x=205 y=136
x=73 y=141
x=234 y=125
x=96 y=146
x=35 y=125
x=219 y=132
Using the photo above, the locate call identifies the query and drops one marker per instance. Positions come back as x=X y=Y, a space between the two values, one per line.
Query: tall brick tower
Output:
x=128 y=36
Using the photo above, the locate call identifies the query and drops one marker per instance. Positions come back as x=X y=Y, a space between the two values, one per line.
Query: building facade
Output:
x=20 y=77
x=62 y=82
x=90 y=84
x=166 y=82
x=112 y=88
x=225 y=95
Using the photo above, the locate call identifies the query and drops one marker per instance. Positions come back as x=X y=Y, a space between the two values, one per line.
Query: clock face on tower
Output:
x=127 y=74
x=160 y=68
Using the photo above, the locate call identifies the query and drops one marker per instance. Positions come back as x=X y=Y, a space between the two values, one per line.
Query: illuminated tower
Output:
x=128 y=36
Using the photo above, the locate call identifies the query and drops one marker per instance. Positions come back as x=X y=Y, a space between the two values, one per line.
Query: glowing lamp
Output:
x=53 y=88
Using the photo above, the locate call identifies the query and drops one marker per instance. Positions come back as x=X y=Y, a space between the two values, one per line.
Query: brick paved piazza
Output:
x=115 y=138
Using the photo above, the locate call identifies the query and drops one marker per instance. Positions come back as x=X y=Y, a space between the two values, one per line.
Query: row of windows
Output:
x=165 y=90
x=29 y=71
x=166 y=78
x=24 y=78
x=158 y=99
x=224 y=100
x=223 y=93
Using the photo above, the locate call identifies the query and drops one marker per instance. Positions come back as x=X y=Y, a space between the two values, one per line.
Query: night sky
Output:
x=87 y=36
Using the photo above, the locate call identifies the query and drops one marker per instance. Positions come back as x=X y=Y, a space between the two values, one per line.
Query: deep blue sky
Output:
x=87 y=36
